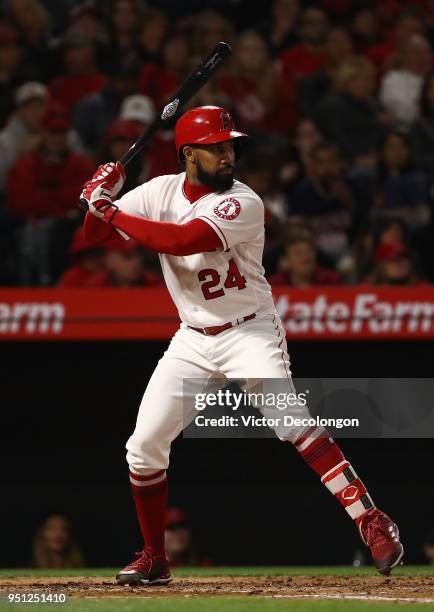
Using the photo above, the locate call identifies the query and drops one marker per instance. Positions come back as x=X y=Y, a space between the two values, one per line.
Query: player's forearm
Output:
x=96 y=231
x=174 y=239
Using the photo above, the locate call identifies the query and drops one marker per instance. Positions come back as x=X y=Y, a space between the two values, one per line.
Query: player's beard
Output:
x=216 y=182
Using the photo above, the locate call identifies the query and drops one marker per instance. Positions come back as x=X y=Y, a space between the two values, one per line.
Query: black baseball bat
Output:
x=187 y=90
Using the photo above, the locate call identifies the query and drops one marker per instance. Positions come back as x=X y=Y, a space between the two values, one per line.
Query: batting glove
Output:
x=99 y=202
x=110 y=176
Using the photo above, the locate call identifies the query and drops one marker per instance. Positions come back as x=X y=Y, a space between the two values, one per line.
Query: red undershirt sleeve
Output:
x=190 y=238
x=97 y=231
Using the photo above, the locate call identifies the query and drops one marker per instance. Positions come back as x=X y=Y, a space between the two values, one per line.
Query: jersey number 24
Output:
x=234 y=278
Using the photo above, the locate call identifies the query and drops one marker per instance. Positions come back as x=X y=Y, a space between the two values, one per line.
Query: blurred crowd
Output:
x=56 y=546
x=337 y=97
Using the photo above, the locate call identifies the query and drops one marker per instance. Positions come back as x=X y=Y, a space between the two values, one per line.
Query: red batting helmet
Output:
x=204 y=125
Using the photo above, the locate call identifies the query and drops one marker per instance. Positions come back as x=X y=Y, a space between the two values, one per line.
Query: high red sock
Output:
x=324 y=456
x=150 y=498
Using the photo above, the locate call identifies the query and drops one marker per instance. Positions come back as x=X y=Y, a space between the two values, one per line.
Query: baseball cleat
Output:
x=148 y=569
x=381 y=534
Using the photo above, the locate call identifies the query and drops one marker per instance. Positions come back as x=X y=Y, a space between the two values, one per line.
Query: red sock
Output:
x=150 y=498
x=324 y=456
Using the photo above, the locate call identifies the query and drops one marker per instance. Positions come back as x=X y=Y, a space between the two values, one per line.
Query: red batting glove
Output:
x=99 y=202
x=111 y=176
x=98 y=193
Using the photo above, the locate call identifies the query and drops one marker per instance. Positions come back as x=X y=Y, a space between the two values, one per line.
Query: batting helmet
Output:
x=204 y=125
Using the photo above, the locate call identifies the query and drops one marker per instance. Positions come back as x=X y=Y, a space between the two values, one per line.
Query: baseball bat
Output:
x=195 y=81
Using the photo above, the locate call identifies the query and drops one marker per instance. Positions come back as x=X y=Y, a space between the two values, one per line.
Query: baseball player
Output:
x=208 y=229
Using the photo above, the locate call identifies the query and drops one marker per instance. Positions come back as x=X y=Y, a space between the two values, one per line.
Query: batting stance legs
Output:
x=253 y=350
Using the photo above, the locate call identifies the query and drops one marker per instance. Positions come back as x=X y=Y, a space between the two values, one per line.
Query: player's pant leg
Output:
x=259 y=350
x=159 y=422
x=161 y=414
x=255 y=351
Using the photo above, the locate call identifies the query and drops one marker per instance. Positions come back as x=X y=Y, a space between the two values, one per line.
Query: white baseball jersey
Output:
x=216 y=287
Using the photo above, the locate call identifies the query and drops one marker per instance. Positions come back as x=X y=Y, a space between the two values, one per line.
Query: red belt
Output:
x=218 y=329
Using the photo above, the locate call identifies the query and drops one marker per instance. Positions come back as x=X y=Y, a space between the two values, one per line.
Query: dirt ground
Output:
x=399 y=588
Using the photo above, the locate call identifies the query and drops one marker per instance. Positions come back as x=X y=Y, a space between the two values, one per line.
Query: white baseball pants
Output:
x=254 y=350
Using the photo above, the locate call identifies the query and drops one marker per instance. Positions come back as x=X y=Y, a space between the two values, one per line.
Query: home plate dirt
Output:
x=399 y=588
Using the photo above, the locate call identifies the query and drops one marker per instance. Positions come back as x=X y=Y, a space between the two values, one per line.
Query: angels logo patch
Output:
x=228 y=209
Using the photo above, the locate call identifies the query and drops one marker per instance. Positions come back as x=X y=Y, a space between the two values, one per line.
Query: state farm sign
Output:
x=31 y=317
x=357 y=313
x=331 y=313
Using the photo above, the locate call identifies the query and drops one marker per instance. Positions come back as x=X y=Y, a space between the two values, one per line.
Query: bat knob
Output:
x=83 y=204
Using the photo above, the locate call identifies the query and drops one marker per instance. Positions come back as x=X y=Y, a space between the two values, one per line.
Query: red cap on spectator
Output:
x=389 y=252
x=120 y=245
x=56 y=118
x=176 y=516
x=121 y=129
x=80 y=244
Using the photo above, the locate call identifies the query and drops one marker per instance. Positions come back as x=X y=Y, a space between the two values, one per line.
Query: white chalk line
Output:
x=426 y=600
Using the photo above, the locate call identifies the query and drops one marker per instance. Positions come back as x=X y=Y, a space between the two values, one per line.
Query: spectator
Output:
x=94 y=113
x=393 y=266
x=54 y=546
x=14 y=70
x=118 y=138
x=84 y=20
x=263 y=102
x=125 y=266
x=209 y=95
x=260 y=171
x=151 y=37
x=428 y=547
x=357 y=264
x=33 y=23
x=159 y=156
x=308 y=56
x=391 y=231
x=209 y=28
x=365 y=29
x=138 y=108
x=125 y=17
x=263 y=177
x=387 y=54
x=313 y=89
x=280 y=31
x=46 y=182
x=326 y=200
x=22 y=133
x=42 y=190
x=401 y=88
x=350 y=117
x=86 y=260
x=81 y=76
x=401 y=189
x=299 y=267
x=306 y=138
x=160 y=82
x=179 y=543
x=31 y=19
x=422 y=130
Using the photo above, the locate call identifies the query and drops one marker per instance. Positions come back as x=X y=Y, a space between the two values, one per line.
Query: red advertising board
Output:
x=317 y=313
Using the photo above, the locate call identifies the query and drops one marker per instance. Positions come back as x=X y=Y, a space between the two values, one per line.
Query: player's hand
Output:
x=99 y=201
x=111 y=176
